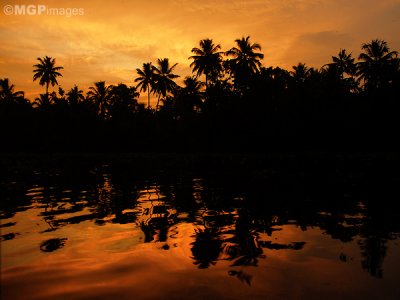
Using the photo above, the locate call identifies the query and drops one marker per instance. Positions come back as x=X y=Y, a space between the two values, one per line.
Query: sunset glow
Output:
x=110 y=41
x=199 y=149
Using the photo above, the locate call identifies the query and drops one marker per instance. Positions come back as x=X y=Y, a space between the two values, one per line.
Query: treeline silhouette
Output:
x=241 y=105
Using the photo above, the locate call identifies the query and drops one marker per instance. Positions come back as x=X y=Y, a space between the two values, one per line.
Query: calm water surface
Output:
x=101 y=232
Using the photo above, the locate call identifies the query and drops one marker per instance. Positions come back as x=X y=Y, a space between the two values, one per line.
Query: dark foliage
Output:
x=242 y=106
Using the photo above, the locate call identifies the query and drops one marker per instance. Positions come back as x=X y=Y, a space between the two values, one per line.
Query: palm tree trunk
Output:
x=148 y=97
x=158 y=101
x=47 y=90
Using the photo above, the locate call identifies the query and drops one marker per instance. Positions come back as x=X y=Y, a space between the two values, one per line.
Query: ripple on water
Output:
x=145 y=239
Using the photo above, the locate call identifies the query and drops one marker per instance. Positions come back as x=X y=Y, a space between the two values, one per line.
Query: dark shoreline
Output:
x=235 y=162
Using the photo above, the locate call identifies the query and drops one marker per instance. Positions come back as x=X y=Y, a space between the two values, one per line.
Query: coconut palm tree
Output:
x=145 y=80
x=7 y=92
x=100 y=94
x=207 y=60
x=75 y=96
x=341 y=65
x=164 y=78
x=123 y=99
x=245 y=59
x=344 y=63
x=43 y=101
x=301 y=72
x=192 y=87
x=47 y=72
x=377 y=64
x=190 y=97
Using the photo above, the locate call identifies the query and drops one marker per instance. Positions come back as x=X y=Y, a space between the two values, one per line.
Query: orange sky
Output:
x=113 y=38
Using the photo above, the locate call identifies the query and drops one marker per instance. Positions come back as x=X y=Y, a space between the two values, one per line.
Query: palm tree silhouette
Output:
x=43 y=101
x=145 y=80
x=335 y=72
x=190 y=97
x=301 y=72
x=377 y=64
x=192 y=87
x=344 y=63
x=47 y=72
x=7 y=92
x=99 y=94
x=207 y=60
x=61 y=92
x=164 y=78
x=75 y=96
x=244 y=56
x=123 y=99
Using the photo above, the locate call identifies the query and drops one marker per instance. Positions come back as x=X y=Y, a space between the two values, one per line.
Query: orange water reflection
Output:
x=191 y=239
x=118 y=267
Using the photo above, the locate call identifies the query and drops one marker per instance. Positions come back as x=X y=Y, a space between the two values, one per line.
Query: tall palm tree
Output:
x=377 y=64
x=245 y=58
x=47 y=72
x=164 y=78
x=344 y=63
x=7 y=92
x=100 y=94
x=341 y=65
x=75 y=96
x=207 y=60
x=145 y=80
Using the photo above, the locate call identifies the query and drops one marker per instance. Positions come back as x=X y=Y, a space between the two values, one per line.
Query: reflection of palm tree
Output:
x=7 y=92
x=52 y=244
x=75 y=96
x=145 y=80
x=164 y=78
x=157 y=217
x=373 y=251
x=244 y=248
x=47 y=72
x=207 y=60
x=206 y=248
x=100 y=95
x=242 y=276
x=377 y=64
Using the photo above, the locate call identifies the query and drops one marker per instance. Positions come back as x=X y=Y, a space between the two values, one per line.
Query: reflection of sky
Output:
x=103 y=223
x=112 y=262
x=111 y=40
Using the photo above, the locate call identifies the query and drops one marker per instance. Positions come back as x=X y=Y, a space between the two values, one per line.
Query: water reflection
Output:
x=52 y=244
x=237 y=222
x=156 y=215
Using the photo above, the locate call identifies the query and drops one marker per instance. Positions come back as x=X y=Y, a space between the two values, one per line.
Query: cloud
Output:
x=112 y=39
x=316 y=48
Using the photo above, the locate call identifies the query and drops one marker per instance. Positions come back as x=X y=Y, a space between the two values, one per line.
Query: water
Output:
x=104 y=232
